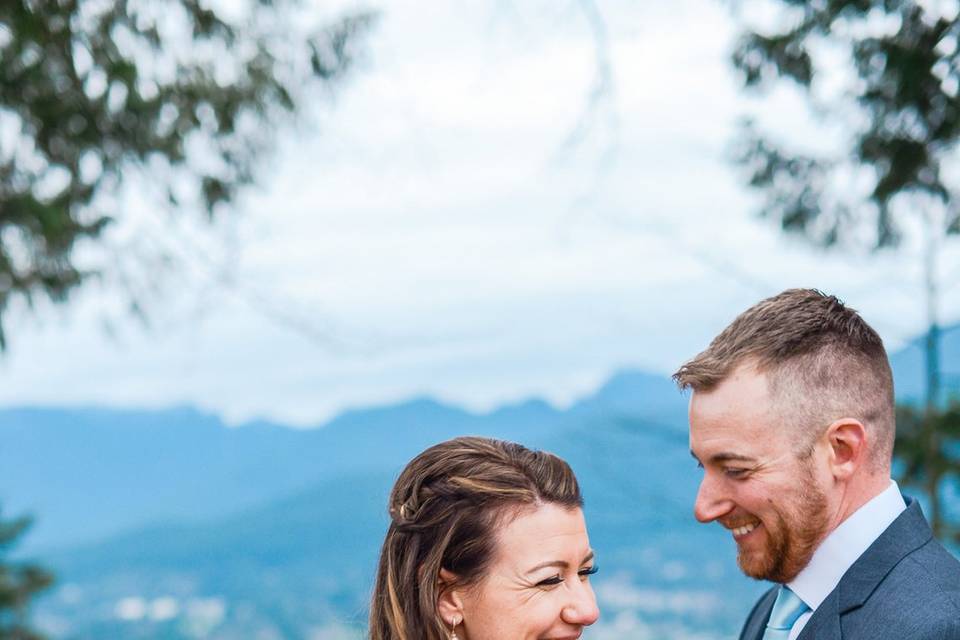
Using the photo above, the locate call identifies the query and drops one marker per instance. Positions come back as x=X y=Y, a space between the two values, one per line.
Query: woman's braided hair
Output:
x=444 y=509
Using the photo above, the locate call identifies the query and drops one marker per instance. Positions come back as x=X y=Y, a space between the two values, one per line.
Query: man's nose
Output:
x=582 y=607
x=711 y=503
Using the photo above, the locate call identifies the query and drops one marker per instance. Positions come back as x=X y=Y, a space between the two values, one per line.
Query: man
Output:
x=792 y=421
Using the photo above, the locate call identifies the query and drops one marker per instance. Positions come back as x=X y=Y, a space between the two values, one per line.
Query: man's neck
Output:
x=858 y=493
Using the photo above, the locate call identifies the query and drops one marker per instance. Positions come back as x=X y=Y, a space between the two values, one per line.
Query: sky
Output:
x=461 y=220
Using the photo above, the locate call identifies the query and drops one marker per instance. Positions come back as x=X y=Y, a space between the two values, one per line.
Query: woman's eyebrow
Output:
x=560 y=564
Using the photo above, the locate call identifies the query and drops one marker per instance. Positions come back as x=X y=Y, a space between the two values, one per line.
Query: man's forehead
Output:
x=726 y=443
x=742 y=396
x=735 y=419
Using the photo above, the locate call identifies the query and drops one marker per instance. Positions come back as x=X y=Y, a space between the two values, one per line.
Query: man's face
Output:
x=754 y=483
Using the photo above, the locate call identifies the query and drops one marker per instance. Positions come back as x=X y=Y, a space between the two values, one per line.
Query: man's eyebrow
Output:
x=725 y=457
x=718 y=458
x=560 y=564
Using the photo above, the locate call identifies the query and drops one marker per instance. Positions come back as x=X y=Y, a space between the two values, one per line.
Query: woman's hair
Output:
x=445 y=508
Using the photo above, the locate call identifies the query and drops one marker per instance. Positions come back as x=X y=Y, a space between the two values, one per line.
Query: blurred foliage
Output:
x=901 y=102
x=19 y=583
x=928 y=445
x=92 y=91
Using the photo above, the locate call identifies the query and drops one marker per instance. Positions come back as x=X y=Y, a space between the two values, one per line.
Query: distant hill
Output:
x=88 y=473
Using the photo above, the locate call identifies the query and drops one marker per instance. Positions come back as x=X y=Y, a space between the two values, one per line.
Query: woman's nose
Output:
x=582 y=608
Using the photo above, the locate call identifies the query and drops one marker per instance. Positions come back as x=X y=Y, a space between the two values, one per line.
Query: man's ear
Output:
x=847 y=439
x=450 y=604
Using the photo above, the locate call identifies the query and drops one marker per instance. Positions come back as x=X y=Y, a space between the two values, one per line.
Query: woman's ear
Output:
x=450 y=604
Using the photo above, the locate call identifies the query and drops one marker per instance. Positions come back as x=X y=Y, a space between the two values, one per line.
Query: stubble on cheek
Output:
x=791 y=537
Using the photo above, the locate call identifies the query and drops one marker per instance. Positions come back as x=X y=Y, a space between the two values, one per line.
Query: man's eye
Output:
x=550 y=582
x=735 y=472
x=699 y=465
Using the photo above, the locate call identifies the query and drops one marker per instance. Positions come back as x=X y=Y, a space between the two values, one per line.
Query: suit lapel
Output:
x=907 y=533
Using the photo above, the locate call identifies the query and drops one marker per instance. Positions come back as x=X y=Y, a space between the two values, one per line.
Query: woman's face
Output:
x=538 y=586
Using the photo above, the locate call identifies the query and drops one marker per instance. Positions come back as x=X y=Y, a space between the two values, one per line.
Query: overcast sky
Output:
x=460 y=222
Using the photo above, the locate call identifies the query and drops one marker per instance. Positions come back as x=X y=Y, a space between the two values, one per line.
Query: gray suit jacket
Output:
x=905 y=586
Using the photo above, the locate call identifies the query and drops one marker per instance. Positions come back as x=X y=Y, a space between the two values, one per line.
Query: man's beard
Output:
x=791 y=538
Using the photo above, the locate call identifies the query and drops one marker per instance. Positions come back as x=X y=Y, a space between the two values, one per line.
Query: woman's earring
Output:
x=453 y=627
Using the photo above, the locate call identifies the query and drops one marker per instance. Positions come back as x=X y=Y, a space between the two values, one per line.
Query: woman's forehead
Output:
x=543 y=530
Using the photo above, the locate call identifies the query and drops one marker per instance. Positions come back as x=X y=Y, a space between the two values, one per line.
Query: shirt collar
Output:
x=841 y=548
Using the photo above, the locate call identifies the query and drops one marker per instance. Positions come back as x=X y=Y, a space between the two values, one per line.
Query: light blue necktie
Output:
x=786 y=610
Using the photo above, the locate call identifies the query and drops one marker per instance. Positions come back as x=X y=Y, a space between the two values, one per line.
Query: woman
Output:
x=486 y=542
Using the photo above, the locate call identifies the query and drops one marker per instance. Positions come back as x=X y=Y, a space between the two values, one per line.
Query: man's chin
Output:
x=780 y=568
x=757 y=560
x=756 y=565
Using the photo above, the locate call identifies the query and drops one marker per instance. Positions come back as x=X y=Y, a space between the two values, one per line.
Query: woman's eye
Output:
x=557 y=579
x=588 y=572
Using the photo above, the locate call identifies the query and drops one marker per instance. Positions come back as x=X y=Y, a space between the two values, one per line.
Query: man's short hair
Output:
x=823 y=362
